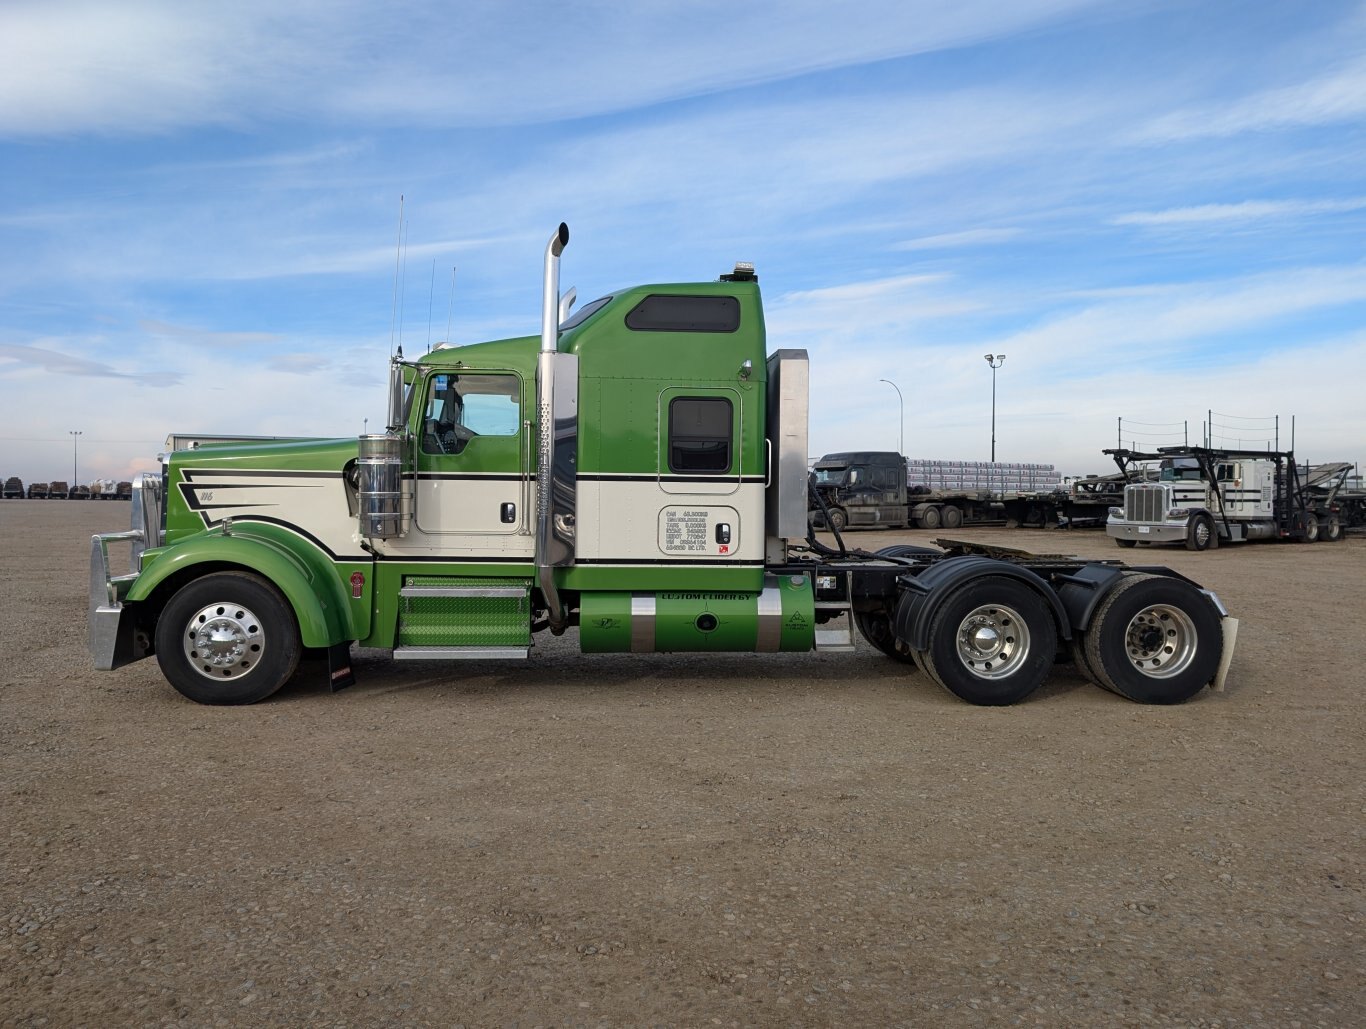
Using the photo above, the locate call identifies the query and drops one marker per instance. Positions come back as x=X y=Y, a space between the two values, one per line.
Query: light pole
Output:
x=902 y=408
x=995 y=360
x=75 y=441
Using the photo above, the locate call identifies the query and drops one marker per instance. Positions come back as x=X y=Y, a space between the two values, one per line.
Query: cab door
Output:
x=472 y=490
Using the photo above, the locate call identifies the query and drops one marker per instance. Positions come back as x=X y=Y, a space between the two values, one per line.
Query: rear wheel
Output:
x=228 y=638
x=991 y=642
x=952 y=516
x=1308 y=524
x=1152 y=639
x=929 y=518
x=1330 y=529
x=876 y=626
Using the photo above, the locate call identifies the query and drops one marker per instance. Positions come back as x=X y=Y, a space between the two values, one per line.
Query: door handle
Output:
x=508 y=513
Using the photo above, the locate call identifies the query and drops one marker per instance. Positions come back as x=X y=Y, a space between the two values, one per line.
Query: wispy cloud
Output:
x=16 y=359
x=152 y=65
x=1332 y=97
x=204 y=338
x=1246 y=211
x=966 y=238
x=1132 y=330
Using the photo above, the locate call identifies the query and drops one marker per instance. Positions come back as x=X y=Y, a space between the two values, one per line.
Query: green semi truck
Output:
x=636 y=474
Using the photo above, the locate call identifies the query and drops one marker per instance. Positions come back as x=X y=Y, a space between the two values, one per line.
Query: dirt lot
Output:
x=805 y=840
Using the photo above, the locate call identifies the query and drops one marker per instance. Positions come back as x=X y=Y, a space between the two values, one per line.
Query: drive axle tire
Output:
x=1153 y=639
x=228 y=638
x=952 y=516
x=1330 y=529
x=992 y=642
x=876 y=626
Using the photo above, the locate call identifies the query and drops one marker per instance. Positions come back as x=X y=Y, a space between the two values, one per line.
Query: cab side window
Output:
x=700 y=435
x=461 y=407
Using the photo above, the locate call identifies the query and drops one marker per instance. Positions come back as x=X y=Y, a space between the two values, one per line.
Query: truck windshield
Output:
x=831 y=476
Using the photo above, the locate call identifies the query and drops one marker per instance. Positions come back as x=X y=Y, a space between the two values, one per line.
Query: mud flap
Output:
x=1226 y=659
x=339 y=674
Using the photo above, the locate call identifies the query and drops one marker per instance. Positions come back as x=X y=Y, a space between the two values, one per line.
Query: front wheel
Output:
x=837 y=519
x=992 y=642
x=228 y=638
x=1152 y=639
x=1201 y=534
x=1126 y=544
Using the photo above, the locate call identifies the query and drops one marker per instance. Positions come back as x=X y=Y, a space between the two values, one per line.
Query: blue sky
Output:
x=1154 y=209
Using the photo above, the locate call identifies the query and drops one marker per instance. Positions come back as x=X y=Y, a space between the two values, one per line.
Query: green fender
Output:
x=303 y=574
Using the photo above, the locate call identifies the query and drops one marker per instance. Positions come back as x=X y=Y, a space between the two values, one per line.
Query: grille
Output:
x=1146 y=502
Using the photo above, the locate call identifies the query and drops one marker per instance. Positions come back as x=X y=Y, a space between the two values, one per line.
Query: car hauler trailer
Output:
x=1205 y=496
x=1334 y=491
x=636 y=473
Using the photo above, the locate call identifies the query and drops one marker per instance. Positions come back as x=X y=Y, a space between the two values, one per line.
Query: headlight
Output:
x=1178 y=514
x=1116 y=512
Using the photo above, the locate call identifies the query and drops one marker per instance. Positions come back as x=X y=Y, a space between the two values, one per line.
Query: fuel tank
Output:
x=779 y=617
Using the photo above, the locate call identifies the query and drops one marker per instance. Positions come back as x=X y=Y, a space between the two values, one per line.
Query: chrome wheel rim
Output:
x=1202 y=534
x=992 y=641
x=224 y=642
x=1160 y=641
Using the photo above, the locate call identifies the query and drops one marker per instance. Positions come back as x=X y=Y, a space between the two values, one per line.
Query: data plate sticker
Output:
x=695 y=531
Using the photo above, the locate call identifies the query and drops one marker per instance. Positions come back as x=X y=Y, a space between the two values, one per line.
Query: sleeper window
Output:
x=699 y=435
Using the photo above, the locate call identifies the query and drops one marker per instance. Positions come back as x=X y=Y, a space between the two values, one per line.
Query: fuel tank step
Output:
x=445 y=617
x=461 y=653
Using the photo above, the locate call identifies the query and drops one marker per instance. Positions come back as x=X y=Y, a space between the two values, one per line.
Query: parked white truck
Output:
x=1204 y=496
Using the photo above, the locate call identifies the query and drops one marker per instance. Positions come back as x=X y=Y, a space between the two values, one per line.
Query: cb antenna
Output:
x=450 y=305
x=398 y=259
x=403 y=287
x=431 y=293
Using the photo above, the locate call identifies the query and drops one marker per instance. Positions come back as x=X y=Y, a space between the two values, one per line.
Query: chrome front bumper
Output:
x=1147 y=532
x=112 y=640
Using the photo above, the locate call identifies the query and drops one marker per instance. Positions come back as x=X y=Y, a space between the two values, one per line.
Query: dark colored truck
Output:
x=874 y=489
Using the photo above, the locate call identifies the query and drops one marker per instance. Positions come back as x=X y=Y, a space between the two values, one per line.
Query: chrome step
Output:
x=835 y=639
x=839 y=636
x=461 y=653
x=463 y=591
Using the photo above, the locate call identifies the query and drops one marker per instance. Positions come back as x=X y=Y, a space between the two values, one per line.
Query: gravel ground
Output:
x=743 y=839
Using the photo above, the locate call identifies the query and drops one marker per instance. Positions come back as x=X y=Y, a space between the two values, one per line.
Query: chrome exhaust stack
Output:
x=557 y=399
